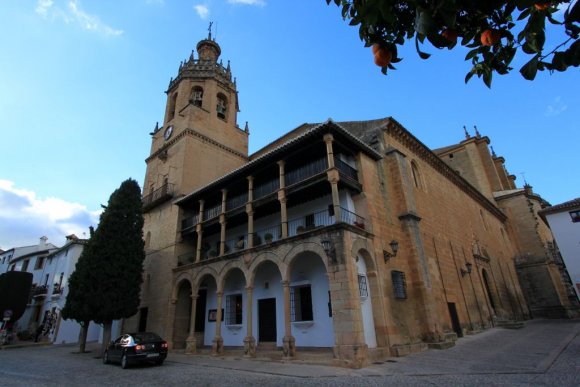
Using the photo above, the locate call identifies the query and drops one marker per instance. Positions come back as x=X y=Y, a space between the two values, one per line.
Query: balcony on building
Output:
x=40 y=291
x=57 y=290
x=158 y=196
x=299 y=176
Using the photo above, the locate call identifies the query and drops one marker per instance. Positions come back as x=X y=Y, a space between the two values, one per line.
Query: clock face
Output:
x=168 y=132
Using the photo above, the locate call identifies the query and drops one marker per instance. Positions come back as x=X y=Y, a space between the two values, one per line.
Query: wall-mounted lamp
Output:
x=394 y=247
x=328 y=249
x=467 y=269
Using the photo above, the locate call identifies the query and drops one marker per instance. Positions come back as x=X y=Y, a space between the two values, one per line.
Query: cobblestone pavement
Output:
x=544 y=353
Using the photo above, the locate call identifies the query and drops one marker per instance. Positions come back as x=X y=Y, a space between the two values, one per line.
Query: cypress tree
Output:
x=116 y=269
x=112 y=270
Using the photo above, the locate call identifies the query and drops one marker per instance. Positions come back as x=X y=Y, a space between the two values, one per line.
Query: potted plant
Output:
x=268 y=237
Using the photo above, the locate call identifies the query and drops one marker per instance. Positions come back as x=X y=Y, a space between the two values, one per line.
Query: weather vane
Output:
x=209 y=29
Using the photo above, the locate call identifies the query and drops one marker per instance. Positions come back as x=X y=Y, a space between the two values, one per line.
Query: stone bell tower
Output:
x=198 y=142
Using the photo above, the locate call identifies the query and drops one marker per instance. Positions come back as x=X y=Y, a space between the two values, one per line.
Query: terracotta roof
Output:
x=566 y=206
x=302 y=133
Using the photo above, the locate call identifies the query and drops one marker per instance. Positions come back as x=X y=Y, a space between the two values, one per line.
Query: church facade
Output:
x=353 y=236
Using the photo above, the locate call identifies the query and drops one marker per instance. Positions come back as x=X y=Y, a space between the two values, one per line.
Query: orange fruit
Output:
x=383 y=57
x=450 y=35
x=542 y=6
x=376 y=47
x=490 y=37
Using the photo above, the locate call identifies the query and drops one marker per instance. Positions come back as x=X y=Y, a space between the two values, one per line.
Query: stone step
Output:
x=441 y=345
x=510 y=324
x=267 y=346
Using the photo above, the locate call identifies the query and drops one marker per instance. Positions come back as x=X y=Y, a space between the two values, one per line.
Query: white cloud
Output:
x=73 y=12
x=202 y=11
x=261 y=3
x=25 y=217
x=43 y=6
x=556 y=108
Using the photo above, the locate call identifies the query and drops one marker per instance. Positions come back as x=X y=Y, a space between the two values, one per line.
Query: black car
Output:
x=132 y=348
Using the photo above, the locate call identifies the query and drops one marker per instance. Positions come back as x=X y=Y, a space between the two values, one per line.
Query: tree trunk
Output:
x=106 y=335
x=83 y=336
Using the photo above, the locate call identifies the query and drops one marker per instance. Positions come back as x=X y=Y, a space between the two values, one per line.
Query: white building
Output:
x=51 y=268
x=564 y=220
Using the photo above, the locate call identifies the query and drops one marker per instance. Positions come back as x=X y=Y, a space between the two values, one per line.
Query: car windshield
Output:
x=145 y=336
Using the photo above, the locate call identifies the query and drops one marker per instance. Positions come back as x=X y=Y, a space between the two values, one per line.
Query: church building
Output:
x=351 y=236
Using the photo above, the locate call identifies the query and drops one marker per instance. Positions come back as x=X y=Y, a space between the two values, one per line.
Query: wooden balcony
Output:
x=155 y=198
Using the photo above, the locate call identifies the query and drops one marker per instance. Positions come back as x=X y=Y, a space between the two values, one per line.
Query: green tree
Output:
x=76 y=306
x=112 y=269
x=493 y=30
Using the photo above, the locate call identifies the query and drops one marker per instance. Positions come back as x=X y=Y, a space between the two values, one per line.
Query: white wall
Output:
x=567 y=234
x=367 y=308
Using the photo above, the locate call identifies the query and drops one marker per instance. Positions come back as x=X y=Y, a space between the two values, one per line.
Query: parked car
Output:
x=132 y=348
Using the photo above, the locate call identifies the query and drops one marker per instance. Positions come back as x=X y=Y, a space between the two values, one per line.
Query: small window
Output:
x=301 y=303
x=399 y=284
x=234 y=309
x=362 y=286
x=309 y=221
x=575 y=215
x=416 y=176
x=196 y=96
x=172 y=104
x=222 y=105
x=25 y=265
x=39 y=263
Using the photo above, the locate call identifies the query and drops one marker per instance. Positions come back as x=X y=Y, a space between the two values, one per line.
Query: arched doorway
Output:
x=182 y=318
x=234 y=300
x=268 y=310
x=310 y=304
x=366 y=306
x=206 y=311
x=488 y=290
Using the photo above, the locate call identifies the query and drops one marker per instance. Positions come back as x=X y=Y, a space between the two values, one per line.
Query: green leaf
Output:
x=530 y=69
x=472 y=53
x=487 y=75
x=422 y=54
x=469 y=75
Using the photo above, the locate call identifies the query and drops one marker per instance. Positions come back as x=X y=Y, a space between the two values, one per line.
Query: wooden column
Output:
x=199 y=230
x=218 y=341
x=190 y=342
x=282 y=200
x=289 y=342
x=249 y=341
x=223 y=222
x=333 y=177
x=250 y=211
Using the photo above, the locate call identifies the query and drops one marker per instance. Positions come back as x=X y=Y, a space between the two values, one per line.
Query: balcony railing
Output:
x=266 y=188
x=236 y=201
x=160 y=195
x=345 y=169
x=40 y=291
x=189 y=223
x=212 y=212
x=310 y=222
x=57 y=289
x=354 y=219
x=302 y=173
x=267 y=235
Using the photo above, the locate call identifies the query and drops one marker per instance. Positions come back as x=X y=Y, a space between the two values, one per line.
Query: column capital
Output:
x=194 y=297
x=328 y=137
x=249 y=288
x=281 y=163
x=285 y=283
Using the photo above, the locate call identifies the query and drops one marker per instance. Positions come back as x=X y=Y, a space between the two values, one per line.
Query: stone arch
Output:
x=368 y=282
x=416 y=174
x=196 y=96
x=261 y=258
x=204 y=272
x=206 y=285
x=268 y=300
x=312 y=247
x=222 y=106
x=182 y=314
x=232 y=265
x=310 y=299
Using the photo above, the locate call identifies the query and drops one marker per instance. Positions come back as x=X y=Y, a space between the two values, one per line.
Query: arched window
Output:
x=483 y=219
x=172 y=103
x=416 y=175
x=196 y=97
x=222 y=106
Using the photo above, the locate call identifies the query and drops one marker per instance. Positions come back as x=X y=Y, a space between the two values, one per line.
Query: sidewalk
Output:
x=533 y=349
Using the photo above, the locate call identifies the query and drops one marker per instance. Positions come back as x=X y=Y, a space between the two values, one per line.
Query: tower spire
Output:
x=209 y=31
x=467 y=136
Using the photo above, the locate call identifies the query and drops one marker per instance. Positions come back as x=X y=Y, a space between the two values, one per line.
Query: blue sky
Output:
x=82 y=84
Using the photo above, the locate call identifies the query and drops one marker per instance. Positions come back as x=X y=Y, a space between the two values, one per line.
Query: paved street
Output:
x=544 y=353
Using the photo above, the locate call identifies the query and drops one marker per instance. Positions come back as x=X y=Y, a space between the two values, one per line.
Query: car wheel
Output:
x=106 y=357
x=124 y=362
x=159 y=362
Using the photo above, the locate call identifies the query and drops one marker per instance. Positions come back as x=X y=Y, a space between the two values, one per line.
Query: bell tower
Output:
x=198 y=142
